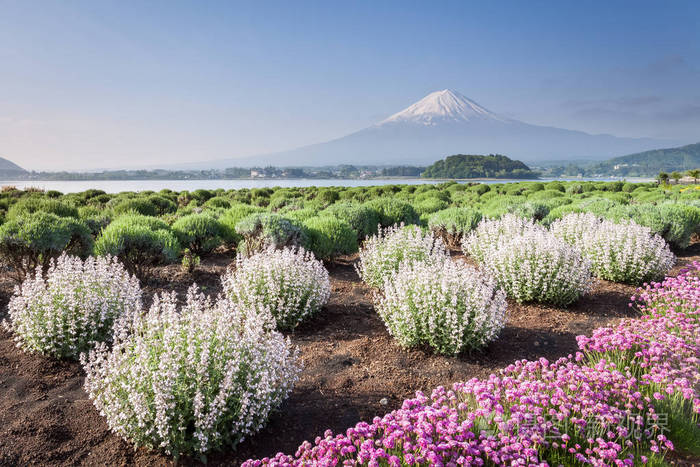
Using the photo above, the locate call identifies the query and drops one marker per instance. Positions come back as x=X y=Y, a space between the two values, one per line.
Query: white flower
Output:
x=624 y=252
x=74 y=307
x=491 y=233
x=537 y=266
x=448 y=306
x=193 y=380
x=381 y=254
x=291 y=283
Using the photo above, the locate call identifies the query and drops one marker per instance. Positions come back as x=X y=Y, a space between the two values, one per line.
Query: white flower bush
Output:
x=382 y=254
x=491 y=233
x=290 y=282
x=449 y=306
x=625 y=252
x=573 y=227
x=537 y=266
x=73 y=307
x=194 y=380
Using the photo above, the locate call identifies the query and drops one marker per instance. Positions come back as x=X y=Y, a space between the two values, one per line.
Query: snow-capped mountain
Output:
x=443 y=106
x=445 y=123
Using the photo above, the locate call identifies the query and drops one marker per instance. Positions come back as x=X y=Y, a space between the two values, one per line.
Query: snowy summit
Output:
x=443 y=106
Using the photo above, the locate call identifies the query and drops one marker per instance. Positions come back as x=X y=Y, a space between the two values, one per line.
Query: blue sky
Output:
x=110 y=84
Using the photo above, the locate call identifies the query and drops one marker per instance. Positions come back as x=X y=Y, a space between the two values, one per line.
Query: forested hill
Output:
x=650 y=163
x=474 y=166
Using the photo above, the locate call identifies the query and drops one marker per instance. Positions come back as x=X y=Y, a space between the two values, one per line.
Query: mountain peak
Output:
x=443 y=106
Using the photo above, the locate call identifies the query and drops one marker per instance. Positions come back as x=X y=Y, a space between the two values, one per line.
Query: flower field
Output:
x=514 y=324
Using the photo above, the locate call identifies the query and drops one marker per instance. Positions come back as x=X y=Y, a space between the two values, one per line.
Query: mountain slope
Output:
x=445 y=122
x=9 y=168
x=650 y=163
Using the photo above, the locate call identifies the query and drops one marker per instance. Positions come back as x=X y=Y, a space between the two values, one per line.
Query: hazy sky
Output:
x=132 y=83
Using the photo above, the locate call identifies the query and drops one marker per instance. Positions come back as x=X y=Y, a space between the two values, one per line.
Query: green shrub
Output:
x=218 y=202
x=430 y=205
x=362 y=218
x=32 y=240
x=162 y=204
x=31 y=205
x=95 y=218
x=327 y=197
x=202 y=196
x=200 y=233
x=328 y=236
x=231 y=217
x=432 y=194
x=452 y=224
x=135 y=206
x=535 y=210
x=140 y=242
x=545 y=194
x=265 y=230
x=298 y=215
x=394 y=211
x=480 y=189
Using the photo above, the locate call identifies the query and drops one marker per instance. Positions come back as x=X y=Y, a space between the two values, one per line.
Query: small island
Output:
x=474 y=166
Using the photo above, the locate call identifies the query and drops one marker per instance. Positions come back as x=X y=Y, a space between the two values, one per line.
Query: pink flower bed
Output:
x=607 y=405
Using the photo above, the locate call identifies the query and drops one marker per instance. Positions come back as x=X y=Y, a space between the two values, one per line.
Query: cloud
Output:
x=670 y=63
x=619 y=104
x=682 y=113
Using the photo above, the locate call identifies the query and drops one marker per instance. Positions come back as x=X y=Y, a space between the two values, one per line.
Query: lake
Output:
x=116 y=186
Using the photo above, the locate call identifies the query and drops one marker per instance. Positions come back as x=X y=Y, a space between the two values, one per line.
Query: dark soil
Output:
x=350 y=365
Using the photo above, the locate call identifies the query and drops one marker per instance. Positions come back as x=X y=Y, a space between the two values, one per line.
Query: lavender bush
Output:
x=382 y=254
x=491 y=233
x=289 y=282
x=448 y=306
x=194 y=380
x=536 y=266
x=624 y=252
x=73 y=307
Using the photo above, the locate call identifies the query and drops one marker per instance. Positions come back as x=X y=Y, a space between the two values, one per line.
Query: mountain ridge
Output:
x=9 y=168
x=650 y=163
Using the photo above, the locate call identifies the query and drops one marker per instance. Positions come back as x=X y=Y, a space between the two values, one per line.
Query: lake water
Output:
x=116 y=186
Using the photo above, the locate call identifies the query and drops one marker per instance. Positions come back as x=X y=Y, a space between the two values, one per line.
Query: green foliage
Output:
x=394 y=211
x=328 y=236
x=231 y=217
x=363 y=218
x=545 y=195
x=135 y=206
x=430 y=205
x=96 y=219
x=163 y=205
x=470 y=166
x=218 y=202
x=32 y=240
x=265 y=230
x=200 y=233
x=190 y=261
x=140 y=242
x=453 y=224
x=34 y=204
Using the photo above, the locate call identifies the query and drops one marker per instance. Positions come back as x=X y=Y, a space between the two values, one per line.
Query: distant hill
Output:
x=473 y=166
x=650 y=163
x=10 y=169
